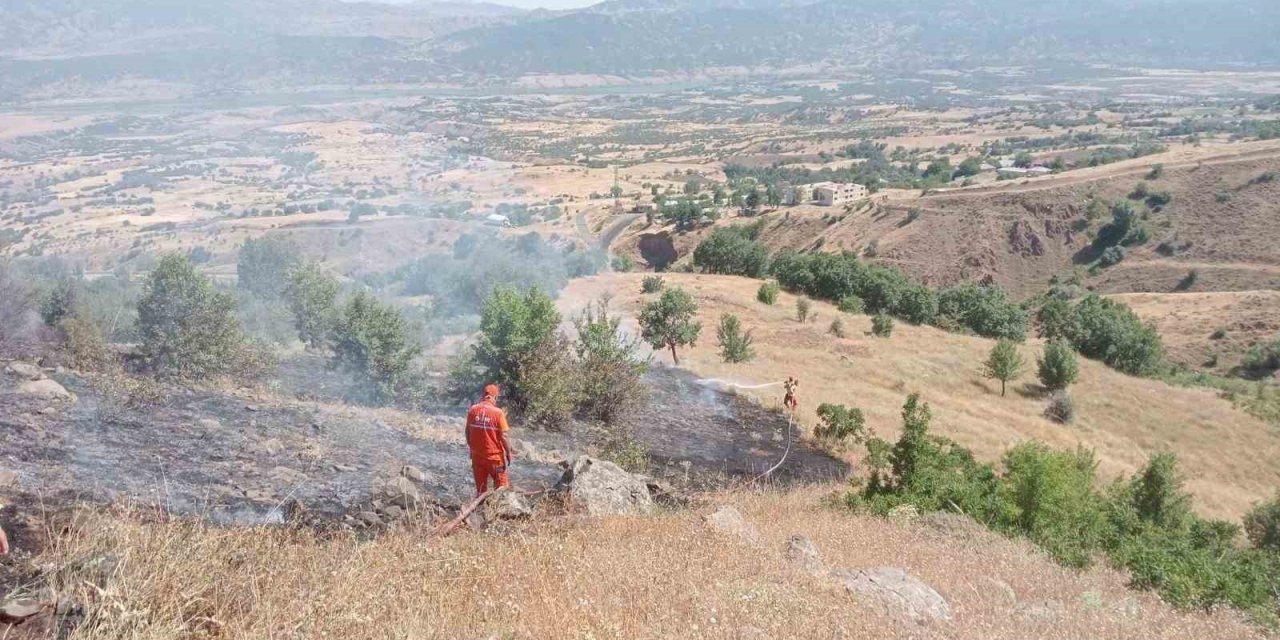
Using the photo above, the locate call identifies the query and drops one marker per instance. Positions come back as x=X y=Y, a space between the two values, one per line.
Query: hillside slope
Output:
x=1231 y=459
x=1221 y=222
x=666 y=576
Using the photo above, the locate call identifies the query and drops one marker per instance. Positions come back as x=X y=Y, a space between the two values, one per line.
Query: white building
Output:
x=497 y=220
x=832 y=194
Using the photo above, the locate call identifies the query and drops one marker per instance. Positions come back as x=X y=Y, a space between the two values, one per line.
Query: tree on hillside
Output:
x=610 y=366
x=670 y=322
x=968 y=167
x=1058 y=368
x=735 y=344
x=60 y=302
x=731 y=251
x=371 y=340
x=188 y=329
x=514 y=326
x=312 y=296
x=264 y=264
x=1004 y=363
x=17 y=298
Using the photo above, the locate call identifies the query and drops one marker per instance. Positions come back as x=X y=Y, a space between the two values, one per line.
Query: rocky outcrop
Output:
x=600 y=487
x=25 y=371
x=898 y=591
x=45 y=390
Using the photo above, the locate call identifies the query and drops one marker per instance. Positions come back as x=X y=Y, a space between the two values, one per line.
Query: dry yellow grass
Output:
x=1188 y=322
x=666 y=576
x=1231 y=459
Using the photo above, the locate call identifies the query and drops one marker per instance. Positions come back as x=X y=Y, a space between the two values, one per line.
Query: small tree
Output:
x=187 y=328
x=735 y=344
x=1004 y=363
x=1262 y=524
x=851 y=304
x=652 y=284
x=312 y=296
x=837 y=328
x=610 y=366
x=840 y=424
x=768 y=293
x=1059 y=368
x=670 y=322
x=882 y=325
x=264 y=264
x=372 y=341
x=60 y=303
x=803 y=306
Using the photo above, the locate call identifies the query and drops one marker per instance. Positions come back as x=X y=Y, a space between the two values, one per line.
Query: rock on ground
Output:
x=45 y=390
x=898 y=591
x=25 y=371
x=20 y=610
x=603 y=488
x=505 y=504
x=729 y=521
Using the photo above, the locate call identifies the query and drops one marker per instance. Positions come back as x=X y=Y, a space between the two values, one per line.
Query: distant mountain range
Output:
x=245 y=43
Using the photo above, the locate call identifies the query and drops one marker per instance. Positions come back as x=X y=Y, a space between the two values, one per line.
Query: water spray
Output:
x=790 y=419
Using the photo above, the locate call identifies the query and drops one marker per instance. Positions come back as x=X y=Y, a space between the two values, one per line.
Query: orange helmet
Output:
x=491 y=391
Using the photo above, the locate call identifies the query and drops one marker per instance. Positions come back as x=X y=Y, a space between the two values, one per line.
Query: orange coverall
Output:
x=486 y=428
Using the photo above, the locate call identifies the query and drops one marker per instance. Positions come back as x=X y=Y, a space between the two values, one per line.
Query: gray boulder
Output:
x=45 y=390
x=19 y=610
x=601 y=488
x=898 y=591
x=505 y=504
x=402 y=492
x=25 y=371
x=729 y=521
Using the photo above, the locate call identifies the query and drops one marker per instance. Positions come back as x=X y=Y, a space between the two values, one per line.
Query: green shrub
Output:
x=1058 y=368
x=851 y=304
x=263 y=266
x=1004 y=363
x=1111 y=256
x=840 y=424
x=732 y=251
x=1262 y=524
x=371 y=340
x=652 y=284
x=1264 y=358
x=60 y=302
x=986 y=310
x=1142 y=524
x=1048 y=496
x=188 y=329
x=837 y=328
x=768 y=293
x=882 y=325
x=623 y=263
x=1106 y=330
x=312 y=296
x=735 y=344
x=803 y=306
x=609 y=367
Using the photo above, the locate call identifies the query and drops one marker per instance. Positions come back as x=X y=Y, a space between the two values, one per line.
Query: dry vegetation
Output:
x=666 y=576
x=1230 y=457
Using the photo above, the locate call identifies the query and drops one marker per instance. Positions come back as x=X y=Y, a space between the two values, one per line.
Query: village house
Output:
x=831 y=194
